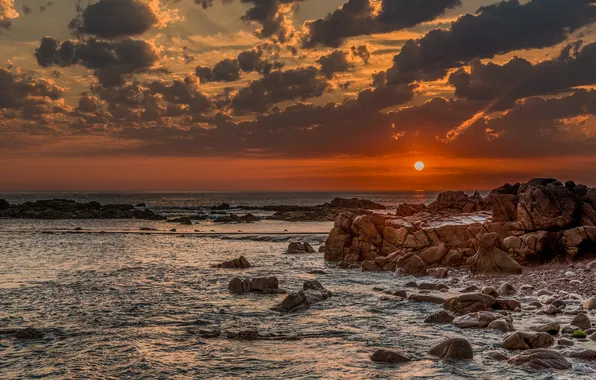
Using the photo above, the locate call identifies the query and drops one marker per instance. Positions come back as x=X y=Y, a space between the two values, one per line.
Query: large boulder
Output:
x=504 y=207
x=455 y=348
x=541 y=359
x=469 y=303
x=336 y=244
x=364 y=227
x=457 y=201
x=490 y=260
x=311 y=293
x=527 y=341
x=412 y=264
x=547 y=207
x=434 y=255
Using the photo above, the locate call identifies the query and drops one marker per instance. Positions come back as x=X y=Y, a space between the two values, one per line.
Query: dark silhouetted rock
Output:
x=527 y=341
x=469 y=303
x=312 y=293
x=441 y=317
x=386 y=356
x=455 y=348
x=297 y=247
x=239 y=263
x=541 y=359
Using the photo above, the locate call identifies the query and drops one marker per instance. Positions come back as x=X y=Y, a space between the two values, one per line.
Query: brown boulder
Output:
x=476 y=320
x=386 y=356
x=504 y=207
x=469 y=303
x=440 y=317
x=541 y=359
x=527 y=341
x=336 y=243
x=412 y=264
x=491 y=261
x=546 y=207
x=455 y=348
x=434 y=255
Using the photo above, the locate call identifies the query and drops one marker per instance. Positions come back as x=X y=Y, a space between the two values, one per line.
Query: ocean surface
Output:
x=129 y=305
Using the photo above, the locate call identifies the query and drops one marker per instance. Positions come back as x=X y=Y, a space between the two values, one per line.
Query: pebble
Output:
x=570 y=274
x=565 y=342
x=544 y=292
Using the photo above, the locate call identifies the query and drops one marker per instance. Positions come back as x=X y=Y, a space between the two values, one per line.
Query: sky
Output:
x=199 y=95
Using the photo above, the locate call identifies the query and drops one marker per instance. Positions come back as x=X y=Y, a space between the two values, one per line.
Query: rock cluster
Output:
x=238 y=263
x=531 y=222
x=68 y=209
x=263 y=285
x=298 y=247
x=311 y=293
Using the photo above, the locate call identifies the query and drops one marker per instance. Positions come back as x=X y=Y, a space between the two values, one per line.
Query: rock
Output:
x=354 y=204
x=565 y=342
x=438 y=273
x=239 y=263
x=503 y=304
x=469 y=303
x=582 y=321
x=504 y=207
x=507 y=289
x=431 y=286
x=455 y=348
x=578 y=334
x=312 y=293
x=592 y=337
x=476 y=320
x=434 y=255
x=547 y=207
x=266 y=285
x=502 y=325
x=4 y=204
x=469 y=289
x=426 y=298
x=541 y=359
x=490 y=260
x=551 y=310
x=297 y=247
x=411 y=264
x=386 y=356
x=28 y=333
x=441 y=317
x=552 y=328
x=243 y=335
x=490 y=291
x=527 y=341
x=497 y=355
x=583 y=354
x=337 y=241
x=590 y=303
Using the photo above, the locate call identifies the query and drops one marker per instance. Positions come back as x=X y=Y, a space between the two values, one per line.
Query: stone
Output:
x=239 y=286
x=547 y=207
x=298 y=247
x=592 y=337
x=476 y=320
x=426 y=298
x=504 y=207
x=551 y=328
x=454 y=348
x=441 y=317
x=590 y=303
x=265 y=285
x=437 y=272
x=541 y=359
x=431 y=286
x=588 y=354
x=502 y=325
x=491 y=261
x=469 y=303
x=505 y=304
x=565 y=342
x=239 y=263
x=527 y=341
x=311 y=293
x=490 y=291
x=386 y=356
x=434 y=255
x=497 y=355
x=582 y=321
x=411 y=264
x=336 y=242
x=507 y=289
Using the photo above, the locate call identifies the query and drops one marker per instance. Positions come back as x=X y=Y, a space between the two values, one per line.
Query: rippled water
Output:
x=130 y=306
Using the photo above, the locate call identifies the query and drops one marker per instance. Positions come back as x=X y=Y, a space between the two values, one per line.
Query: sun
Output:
x=419 y=166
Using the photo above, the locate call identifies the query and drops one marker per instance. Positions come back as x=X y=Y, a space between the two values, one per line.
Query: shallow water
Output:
x=130 y=305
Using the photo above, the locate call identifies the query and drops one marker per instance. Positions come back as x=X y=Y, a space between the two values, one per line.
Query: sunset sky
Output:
x=295 y=94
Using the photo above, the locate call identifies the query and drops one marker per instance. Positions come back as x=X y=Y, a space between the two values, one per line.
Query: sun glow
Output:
x=419 y=165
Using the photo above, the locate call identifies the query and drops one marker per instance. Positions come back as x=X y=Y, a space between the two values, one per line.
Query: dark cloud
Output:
x=294 y=84
x=111 y=61
x=495 y=29
x=519 y=78
x=358 y=17
x=334 y=62
x=115 y=18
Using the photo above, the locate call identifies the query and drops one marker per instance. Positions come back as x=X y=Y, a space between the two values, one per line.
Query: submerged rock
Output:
x=386 y=356
x=298 y=247
x=541 y=359
x=455 y=348
x=311 y=293
x=263 y=285
x=476 y=320
x=527 y=341
x=441 y=317
x=552 y=328
x=426 y=298
x=28 y=333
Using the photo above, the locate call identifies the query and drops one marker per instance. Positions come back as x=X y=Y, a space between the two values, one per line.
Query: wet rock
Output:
x=565 y=342
x=582 y=321
x=434 y=255
x=490 y=260
x=469 y=289
x=298 y=247
x=431 y=286
x=243 y=335
x=476 y=320
x=437 y=272
x=411 y=284
x=239 y=263
x=490 y=291
x=551 y=328
x=503 y=325
x=503 y=304
x=527 y=341
x=412 y=264
x=507 y=289
x=28 y=333
x=541 y=359
x=386 y=356
x=590 y=303
x=441 y=317
x=426 y=298
x=592 y=337
x=239 y=286
x=311 y=293
x=264 y=285
x=569 y=329
x=455 y=348
x=209 y=334
x=469 y=303
x=497 y=355
x=589 y=354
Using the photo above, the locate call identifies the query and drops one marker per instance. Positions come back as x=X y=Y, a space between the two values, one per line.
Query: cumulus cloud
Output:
x=111 y=61
x=359 y=17
x=334 y=62
x=7 y=13
x=495 y=29
x=519 y=78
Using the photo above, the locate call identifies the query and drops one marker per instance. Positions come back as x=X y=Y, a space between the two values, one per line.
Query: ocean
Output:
x=122 y=304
